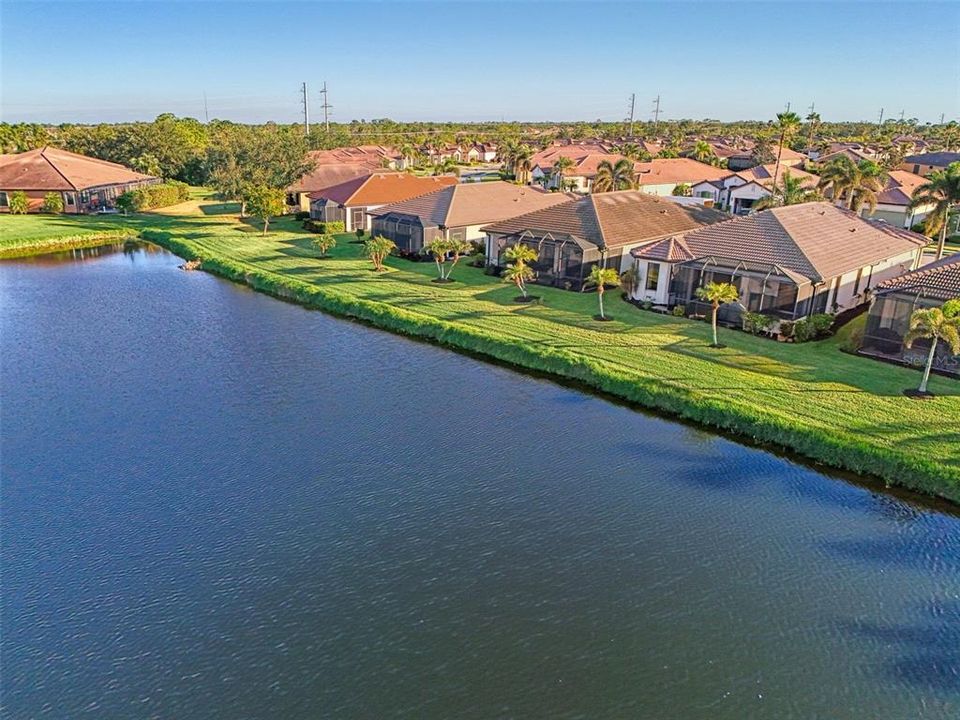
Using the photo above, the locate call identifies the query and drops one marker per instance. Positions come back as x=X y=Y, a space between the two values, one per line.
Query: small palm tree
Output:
x=702 y=152
x=717 y=294
x=560 y=166
x=457 y=249
x=377 y=248
x=933 y=324
x=942 y=190
x=519 y=271
x=324 y=243
x=439 y=248
x=611 y=177
x=521 y=163
x=600 y=277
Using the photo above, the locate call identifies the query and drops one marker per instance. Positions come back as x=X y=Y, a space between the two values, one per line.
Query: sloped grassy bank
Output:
x=893 y=465
x=31 y=247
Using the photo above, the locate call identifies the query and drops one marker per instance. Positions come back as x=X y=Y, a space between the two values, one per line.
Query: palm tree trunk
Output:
x=439 y=269
x=926 y=370
x=715 y=308
x=941 y=243
x=600 y=298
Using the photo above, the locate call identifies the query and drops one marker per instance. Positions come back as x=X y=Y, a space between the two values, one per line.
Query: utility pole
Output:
x=656 y=115
x=206 y=111
x=306 y=110
x=812 y=106
x=941 y=118
x=326 y=107
x=633 y=101
x=788 y=107
x=901 y=116
x=880 y=121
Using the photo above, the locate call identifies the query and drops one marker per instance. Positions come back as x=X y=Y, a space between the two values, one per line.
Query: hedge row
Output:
x=149 y=197
x=324 y=227
x=837 y=451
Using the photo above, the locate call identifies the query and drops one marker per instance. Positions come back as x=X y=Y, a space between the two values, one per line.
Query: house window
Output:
x=3 y=200
x=653 y=276
x=916 y=169
x=69 y=197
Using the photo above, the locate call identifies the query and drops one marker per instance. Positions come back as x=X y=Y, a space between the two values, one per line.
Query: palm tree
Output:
x=632 y=151
x=852 y=184
x=790 y=192
x=942 y=190
x=560 y=166
x=933 y=324
x=439 y=248
x=702 y=152
x=717 y=294
x=519 y=271
x=610 y=177
x=521 y=163
x=788 y=123
x=601 y=277
x=813 y=124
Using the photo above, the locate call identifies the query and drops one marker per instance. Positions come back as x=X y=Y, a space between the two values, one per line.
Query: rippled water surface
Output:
x=218 y=505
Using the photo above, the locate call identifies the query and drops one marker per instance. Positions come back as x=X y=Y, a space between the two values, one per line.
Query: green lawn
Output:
x=812 y=389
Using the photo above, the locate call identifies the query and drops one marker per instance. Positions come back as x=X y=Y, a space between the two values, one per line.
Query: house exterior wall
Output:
x=887 y=323
x=76 y=202
x=898 y=215
x=657 y=292
x=740 y=198
x=661 y=189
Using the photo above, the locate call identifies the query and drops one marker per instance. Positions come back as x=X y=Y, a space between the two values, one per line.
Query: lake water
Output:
x=219 y=505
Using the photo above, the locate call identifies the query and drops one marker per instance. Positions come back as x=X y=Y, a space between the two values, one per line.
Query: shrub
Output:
x=756 y=323
x=149 y=197
x=302 y=215
x=324 y=243
x=323 y=227
x=813 y=327
x=359 y=232
x=679 y=311
x=377 y=248
x=646 y=304
x=52 y=203
x=19 y=204
x=127 y=202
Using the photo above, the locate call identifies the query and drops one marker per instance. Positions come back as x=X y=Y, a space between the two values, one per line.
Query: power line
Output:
x=326 y=107
x=306 y=110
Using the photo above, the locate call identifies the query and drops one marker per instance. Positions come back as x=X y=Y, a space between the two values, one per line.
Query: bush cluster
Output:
x=812 y=328
x=323 y=227
x=712 y=409
x=52 y=203
x=149 y=197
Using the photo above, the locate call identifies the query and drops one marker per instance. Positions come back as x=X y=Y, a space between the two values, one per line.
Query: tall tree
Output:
x=265 y=202
x=787 y=123
x=702 y=152
x=852 y=184
x=790 y=192
x=615 y=176
x=560 y=166
x=942 y=190
x=934 y=324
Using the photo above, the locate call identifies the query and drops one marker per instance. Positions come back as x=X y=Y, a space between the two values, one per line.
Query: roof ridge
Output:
x=596 y=215
x=816 y=270
x=43 y=154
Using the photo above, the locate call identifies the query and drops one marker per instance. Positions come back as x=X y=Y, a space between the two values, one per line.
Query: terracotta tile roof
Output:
x=815 y=241
x=613 y=219
x=548 y=156
x=672 y=249
x=673 y=171
x=939 y=280
x=475 y=203
x=900 y=187
x=854 y=154
x=50 y=168
x=938 y=159
x=371 y=156
x=328 y=175
x=382 y=188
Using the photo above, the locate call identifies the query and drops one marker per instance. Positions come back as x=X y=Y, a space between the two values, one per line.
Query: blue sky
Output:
x=102 y=61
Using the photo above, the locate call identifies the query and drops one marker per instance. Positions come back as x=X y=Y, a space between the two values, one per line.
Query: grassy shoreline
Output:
x=831 y=408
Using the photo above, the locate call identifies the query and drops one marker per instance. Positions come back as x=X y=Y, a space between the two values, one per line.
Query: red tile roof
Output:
x=673 y=171
x=900 y=187
x=50 y=168
x=381 y=189
x=328 y=175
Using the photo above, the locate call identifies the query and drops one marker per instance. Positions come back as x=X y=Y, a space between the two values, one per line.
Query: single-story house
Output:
x=374 y=157
x=746 y=159
x=84 y=183
x=737 y=192
x=579 y=177
x=788 y=262
x=894 y=301
x=926 y=163
x=894 y=200
x=321 y=177
x=661 y=175
x=457 y=212
x=572 y=237
x=481 y=152
x=351 y=202
x=854 y=154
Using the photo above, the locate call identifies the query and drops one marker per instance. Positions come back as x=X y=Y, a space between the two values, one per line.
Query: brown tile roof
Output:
x=854 y=154
x=475 y=203
x=50 y=168
x=613 y=219
x=382 y=188
x=546 y=157
x=371 y=156
x=763 y=174
x=816 y=241
x=939 y=280
x=328 y=175
x=667 y=171
x=900 y=187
